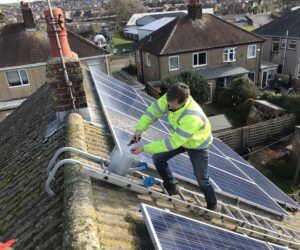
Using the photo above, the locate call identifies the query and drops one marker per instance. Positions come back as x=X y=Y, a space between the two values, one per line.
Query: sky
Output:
x=13 y=1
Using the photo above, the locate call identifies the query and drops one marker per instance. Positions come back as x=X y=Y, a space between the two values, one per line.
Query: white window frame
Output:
x=22 y=84
x=198 y=65
x=294 y=42
x=283 y=43
x=148 y=61
x=170 y=63
x=278 y=41
x=228 y=51
x=211 y=92
x=254 y=56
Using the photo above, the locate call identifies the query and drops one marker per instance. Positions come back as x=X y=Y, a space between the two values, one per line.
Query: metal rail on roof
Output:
x=245 y=221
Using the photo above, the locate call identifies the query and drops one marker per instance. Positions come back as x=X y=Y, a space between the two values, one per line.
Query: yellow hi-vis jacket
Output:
x=190 y=126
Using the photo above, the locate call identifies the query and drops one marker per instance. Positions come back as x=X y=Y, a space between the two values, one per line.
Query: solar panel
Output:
x=124 y=106
x=172 y=231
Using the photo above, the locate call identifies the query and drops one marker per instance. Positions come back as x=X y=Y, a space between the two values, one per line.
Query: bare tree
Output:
x=123 y=9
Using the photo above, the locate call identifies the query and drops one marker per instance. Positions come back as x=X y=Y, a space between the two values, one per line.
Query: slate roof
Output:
x=279 y=26
x=106 y=217
x=184 y=34
x=20 y=47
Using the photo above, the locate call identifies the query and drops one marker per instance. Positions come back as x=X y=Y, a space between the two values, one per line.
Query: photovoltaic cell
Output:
x=266 y=184
x=172 y=231
x=124 y=106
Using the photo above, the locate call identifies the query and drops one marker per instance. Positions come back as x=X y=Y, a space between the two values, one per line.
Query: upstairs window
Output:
x=292 y=44
x=199 y=59
x=17 y=78
x=251 y=51
x=229 y=55
x=173 y=63
x=275 y=45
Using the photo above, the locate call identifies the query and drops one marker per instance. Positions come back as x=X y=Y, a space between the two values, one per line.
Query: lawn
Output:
x=248 y=28
x=120 y=42
x=7 y=5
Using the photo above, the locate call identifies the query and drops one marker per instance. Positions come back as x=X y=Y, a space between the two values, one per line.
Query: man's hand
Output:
x=137 y=150
x=137 y=136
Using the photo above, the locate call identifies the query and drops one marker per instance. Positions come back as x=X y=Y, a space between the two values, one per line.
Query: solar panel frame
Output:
x=164 y=229
x=176 y=175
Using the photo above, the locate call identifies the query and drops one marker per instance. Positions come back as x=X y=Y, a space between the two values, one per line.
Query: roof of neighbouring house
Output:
x=108 y=212
x=279 y=27
x=219 y=123
x=20 y=47
x=185 y=34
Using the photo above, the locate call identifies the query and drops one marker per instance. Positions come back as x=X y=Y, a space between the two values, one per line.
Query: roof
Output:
x=222 y=71
x=219 y=123
x=157 y=24
x=268 y=65
x=279 y=26
x=185 y=34
x=20 y=47
x=85 y=211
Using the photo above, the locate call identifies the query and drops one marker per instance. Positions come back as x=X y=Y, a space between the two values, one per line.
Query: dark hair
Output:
x=179 y=92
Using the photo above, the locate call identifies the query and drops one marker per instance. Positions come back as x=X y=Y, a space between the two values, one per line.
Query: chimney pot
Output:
x=61 y=30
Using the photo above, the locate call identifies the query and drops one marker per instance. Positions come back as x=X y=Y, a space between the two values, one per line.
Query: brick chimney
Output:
x=29 y=22
x=194 y=9
x=54 y=69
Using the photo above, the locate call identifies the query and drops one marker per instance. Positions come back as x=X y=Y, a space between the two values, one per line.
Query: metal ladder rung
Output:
x=255 y=221
x=267 y=224
x=197 y=200
x=227 y=211
x=182 y=196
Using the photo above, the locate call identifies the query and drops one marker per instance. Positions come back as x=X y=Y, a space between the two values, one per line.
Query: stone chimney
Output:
x=54 y=69
x=29 y=22
x=194 y=9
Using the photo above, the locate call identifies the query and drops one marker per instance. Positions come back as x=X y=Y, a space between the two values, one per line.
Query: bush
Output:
x=247 y=105
x=290 y=102
x=240 y=90
x=198 y=85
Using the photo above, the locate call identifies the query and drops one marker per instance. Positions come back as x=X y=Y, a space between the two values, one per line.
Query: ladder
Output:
x=246 y=222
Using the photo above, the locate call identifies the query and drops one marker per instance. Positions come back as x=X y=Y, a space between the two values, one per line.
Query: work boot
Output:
x=212 y=207
x=172 y=189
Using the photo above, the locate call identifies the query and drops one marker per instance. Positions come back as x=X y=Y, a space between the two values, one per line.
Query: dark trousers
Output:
x=199 y=159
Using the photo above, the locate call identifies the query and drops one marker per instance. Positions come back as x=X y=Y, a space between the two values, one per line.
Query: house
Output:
x=24 y=51
x=85 y=213
x=282 y=43
x=218 y=50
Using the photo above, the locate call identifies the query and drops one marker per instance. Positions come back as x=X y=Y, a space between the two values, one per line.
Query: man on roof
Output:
x=191 y=133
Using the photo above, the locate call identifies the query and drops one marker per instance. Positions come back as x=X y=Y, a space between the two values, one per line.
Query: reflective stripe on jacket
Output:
x=190 y=126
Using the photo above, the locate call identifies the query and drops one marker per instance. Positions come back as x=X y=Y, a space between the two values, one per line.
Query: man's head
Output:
x=177 y=95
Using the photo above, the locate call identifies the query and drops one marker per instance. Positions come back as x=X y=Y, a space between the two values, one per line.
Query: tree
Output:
x=198 y=85
x=241 y=90
x=238 y=91
x=123 y=9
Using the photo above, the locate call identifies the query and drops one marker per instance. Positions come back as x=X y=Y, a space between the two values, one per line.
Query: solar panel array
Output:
x=172 y=231
x=230 y=173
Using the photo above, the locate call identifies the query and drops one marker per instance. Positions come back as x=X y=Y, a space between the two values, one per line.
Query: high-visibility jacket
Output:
x=190 y=126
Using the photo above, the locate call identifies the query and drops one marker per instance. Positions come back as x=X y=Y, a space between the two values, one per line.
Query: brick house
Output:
x=90 y=213
x=282 y=44
x=24 y=50
x=215 y=48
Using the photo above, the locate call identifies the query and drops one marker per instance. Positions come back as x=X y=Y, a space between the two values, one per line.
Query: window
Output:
x=251 y=51
x=199 y=59
x=229 y=55
x=173 y=63
x=292 y=44
x=148 y=62
x=210 y=93
x=17 y=78
x=283 y=43
x=251 y=76
x=275 y=45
